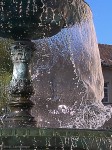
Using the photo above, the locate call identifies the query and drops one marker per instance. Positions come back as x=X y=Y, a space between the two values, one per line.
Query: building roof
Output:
x=105 y=54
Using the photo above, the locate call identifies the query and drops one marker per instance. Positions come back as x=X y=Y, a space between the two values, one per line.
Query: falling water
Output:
x=67 y=75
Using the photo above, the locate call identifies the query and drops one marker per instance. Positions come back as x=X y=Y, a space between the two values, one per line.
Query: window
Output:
x=106 y=93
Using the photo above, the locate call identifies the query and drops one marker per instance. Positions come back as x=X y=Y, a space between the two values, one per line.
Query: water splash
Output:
x=68 y=78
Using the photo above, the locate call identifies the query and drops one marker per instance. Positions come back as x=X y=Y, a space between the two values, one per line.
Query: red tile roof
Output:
x=106 y=54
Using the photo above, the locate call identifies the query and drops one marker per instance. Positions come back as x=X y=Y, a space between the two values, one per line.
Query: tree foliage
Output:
x=5 y=71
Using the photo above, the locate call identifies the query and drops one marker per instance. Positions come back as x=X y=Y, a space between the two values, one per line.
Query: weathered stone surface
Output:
x=42 y=139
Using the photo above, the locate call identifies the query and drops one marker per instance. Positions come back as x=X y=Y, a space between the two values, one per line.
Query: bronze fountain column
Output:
x=21 y=87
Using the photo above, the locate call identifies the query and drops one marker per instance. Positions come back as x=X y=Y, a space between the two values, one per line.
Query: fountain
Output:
x=68 y=87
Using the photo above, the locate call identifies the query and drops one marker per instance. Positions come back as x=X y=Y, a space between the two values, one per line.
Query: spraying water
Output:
x=67 y=75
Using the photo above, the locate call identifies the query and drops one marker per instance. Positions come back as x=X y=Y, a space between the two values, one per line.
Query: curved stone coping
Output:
x=54 y=132
x=45 y=138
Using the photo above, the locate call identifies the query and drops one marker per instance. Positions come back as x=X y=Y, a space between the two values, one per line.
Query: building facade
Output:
x=106 y=61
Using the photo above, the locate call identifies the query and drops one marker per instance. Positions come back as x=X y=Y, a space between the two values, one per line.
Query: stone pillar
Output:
x=21 y=87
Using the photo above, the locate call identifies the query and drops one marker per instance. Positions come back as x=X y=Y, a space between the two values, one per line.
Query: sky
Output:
x=102 y=16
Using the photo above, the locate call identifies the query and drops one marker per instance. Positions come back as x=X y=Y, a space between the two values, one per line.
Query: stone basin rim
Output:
x=54 y=132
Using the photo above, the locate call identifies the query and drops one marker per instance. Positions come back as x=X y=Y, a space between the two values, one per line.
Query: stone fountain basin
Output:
x=29 y=19
x=45 y=138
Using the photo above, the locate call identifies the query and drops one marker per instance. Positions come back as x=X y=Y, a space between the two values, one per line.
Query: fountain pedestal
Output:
x=21 y=87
